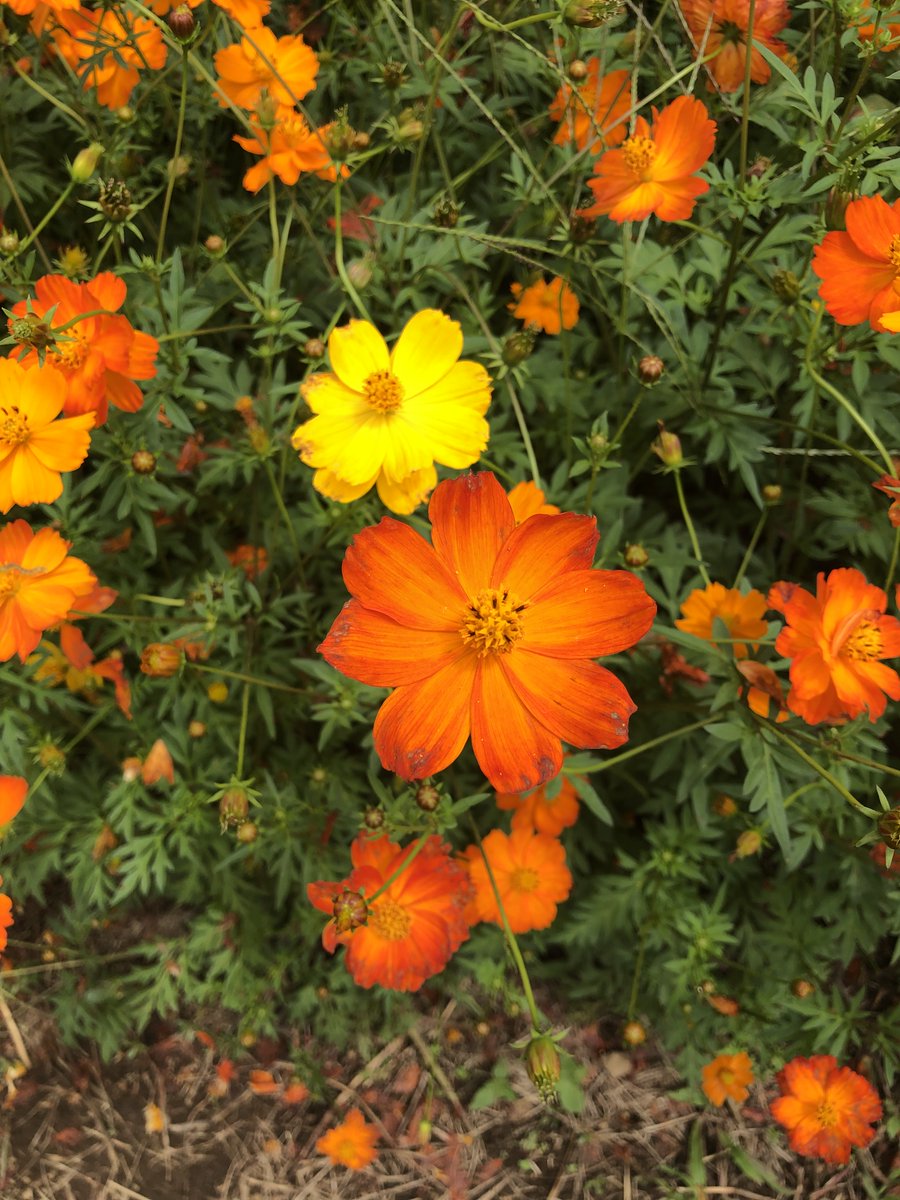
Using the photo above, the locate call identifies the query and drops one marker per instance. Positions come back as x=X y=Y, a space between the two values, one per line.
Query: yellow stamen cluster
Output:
x=894 y=253
x=14 y=429
x=389 y=920
x=524 y=879
x=70 y=352
x=493 y=622
x=864 y=643
x=383 y=391
x=826 y=1114
x=639 y=153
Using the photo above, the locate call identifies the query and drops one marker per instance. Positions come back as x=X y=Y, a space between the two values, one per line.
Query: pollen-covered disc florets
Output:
x=493 y=621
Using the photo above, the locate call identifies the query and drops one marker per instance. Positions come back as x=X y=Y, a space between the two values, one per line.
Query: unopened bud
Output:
x=247 y=833
x=52 y=758
x=31 y=331
x=217 y=692
x=259 y=440
x=650 y=369
x=9 y=242
x=590 y=14
x=233 y=807
x=836 y=208
x=197 y=729
x=543 y=1066
x=724 y=805
x=786 y=286
x=393 y=74
x=445 y=213
x=771 y=493
x=518 y=346
x=314 y=348
x=182 y=23
x=802 y=988
x=114 y=199
x=748 y=844
x=889 y=828
x=350 y=911
x=667 y=447
x=143 y=462
x=361 y=140
x=161 y=660
x=373 y=818
x=427 y=797
x=578 y=69
x=634 y=1034
x=215 y=244
x=636 y=556
x=409 y=127
x=85 y=163
x=758 y=167
x=359 y=272
x=339 y=138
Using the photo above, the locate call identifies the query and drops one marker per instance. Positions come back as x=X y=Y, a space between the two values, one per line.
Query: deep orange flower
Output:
x=100 y=356
x=825 y=1108
x=285 y=68
x=527 y=500
x=351 y=1144
x=13 y=790
x=654 y=170
x=530 y=873
x=289 y=149
x=836 y=640
x=741 y=613
x=860 y=268
x=551 y=306
x=593 y=113
x=5 y=917
x=488 y=631
x=728 y=1075
x=34 y=446
x=765 y=687
x=252 y=560
x=888 y=28
x=413 y=928
x=727 y=23
x=890 y=485
x=540 y=812
x=127 y=44
x=39 y=583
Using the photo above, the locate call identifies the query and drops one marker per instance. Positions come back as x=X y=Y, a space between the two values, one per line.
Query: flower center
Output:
x=731 y=32
x=71 y=352
x=390 y=921
x=13 y=426
x=639 y=153
x=524 y=879
x=493 y=622
x=894 y=253
x=826 y=1114
x=10 y=579
x=865 y=642
x=383 y=391
x=727 y=1077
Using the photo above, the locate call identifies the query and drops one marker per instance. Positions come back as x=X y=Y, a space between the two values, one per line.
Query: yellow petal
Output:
x=32 y=482
x=332 y=487
x=324 y=393
x=409 y=493
x=356 y=350
x=426 y=350
x=891 y=321
x=455 y=436
x=465 y=383
x=406 y=450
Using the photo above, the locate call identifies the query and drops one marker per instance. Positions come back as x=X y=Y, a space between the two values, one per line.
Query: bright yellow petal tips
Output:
x=387 y=417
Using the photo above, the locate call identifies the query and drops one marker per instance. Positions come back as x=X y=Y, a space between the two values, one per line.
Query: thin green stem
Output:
x=339 y=255
x=892 y=565
x=243 y=678
x=745 y=108
x=48 y=216
x=869 y=763
x=242 y=737
x=417 y=848
x=636 y=750
x=173 y=166
x=94 y=721
x=49 y=97
x=273 y=219
x=689 y=524
x=820 y=770
x=282 y=507
x=751 y=546
x=489 y=23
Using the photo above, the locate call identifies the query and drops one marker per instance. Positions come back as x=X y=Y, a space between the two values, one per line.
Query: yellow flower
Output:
x=386 y=417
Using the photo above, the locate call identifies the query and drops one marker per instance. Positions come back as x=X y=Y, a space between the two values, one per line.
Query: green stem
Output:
x=820 y=770
x=757 y=534
x=339 y=255
x=282 y=507
x=869 y=763
x=242 y=737
x=489 y=23
x=48 y=216
x=892 y=565
x=49 y=97
x=179 y=135
x=169 y=601
x=692 y=533
x=745 y=109
x=243 y=678
x=94 y=721
x=417 y=848
x=273 y=220
x=636 y=750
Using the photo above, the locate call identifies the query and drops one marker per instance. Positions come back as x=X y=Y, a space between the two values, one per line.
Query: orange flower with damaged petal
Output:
x=284 y=68
x=654 y=171
x=530 y=873
x=13 y=790
x=352 y=1143
x=721 y=27
x=594 y=113
x=100 y=355
x=113 y=47
x=410 y=931
x=860 y=268
x=551 y=306
x=728 y=1076
x=527 y=500
x=488 y=632
x=742 y=614
x=541 y=811
x=289 y=149
x=39 y=583
x=836 y=641
x=825 y=1108
x=34 y=446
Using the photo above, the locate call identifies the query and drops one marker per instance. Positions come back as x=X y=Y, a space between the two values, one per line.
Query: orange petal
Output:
x=13 y=790
x=515 y=751
x=585 y=614
x=580 y=702
x=542 y=548
x=373 y=648
x=471 y=518
x=422 y=727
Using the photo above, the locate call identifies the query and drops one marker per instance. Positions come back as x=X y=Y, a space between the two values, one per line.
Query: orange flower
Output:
x=860 y=268
x=289 y=149
x=285 y=68
x=835 y=641
x=549 y=306
x=158 y=765
x=540 y=812
x=765 y=686
x=654 y=171
x=116 y=46
x=741 y=613
x=490 y=630
x=252 y=560
x=249 y=14
x=34 y=446
x=528 y=500
x=530 y=873
x=887 y=30
x=413 y=928
x=351 y=1144
x=825 y=1108
x=595 y=112
x=13 y=790
x=39 y=583
x=100 y=356
x=5 y=917
x=728 y=1075
x=727 y=23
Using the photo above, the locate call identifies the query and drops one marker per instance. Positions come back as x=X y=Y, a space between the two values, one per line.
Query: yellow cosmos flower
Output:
x=385 y=417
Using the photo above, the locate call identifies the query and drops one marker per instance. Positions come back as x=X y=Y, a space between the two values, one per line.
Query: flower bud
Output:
x=667 y=447
x=409 y=127
x=143 y=462
x=215 y=244
x=393 y=74
x=340 y=137
x=233 y=807
x=445 y=213
x=9 y=242
x=590 y=14
x=724 y=805
x=427 y=797
x=259 y=440
x=543 y=1066
x=786 y=286
x=771 y=493
x=578 y=69
x=197 y=729
x=636 y=556
x=73 y=261
x=161 y=660
x=359 y=271
x=182 y=23
x=31 y=331
x=85 y=163
x=217 y=692
x=634 y=1034
x=749 y=843
x=247 y=833
x=350 y=911
x=836 y=204
x=518 y=346
x=581 y=227
x=650 y=369
x=889 y=828
x=758 y=167
x=373 y=818
x=114 y=199
x=314 y=348
x=802 y=988
x=361 y=140
x=52 y=758
x=105 y=841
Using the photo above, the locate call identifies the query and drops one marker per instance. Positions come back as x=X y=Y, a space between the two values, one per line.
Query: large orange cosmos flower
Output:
x=727 y=23
x=728 y=1075
x=836 y=640
x=825 y=1108
x=289 y=149
x=654 y=170
x=34 y=446
x=39 y=583
x=488 y=631
x=13 y=790
x=540 y=812
x=860 y=269
x=352 y=1143
x=741 y=613
x=117 y=46
x=530 y=873
x=551 y=306
x=593 y=113
x=413 y=928
x=99 y=355
x=283 y=67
